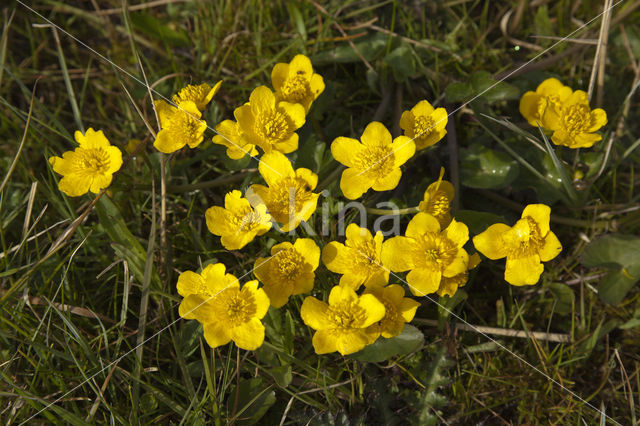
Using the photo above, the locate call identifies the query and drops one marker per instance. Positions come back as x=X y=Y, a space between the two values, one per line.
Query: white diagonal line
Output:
x=563 y=39
x=117 y=360
x=500 y=345
x=160 y=95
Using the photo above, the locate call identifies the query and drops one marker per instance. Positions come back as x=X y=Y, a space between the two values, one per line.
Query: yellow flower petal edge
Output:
x=539 y=107
x=398 y=310
x=231 y=136
x=200 y=94
x=289 y=270
x=341 y=325
x=525 y=245
x=205 y=286
x=90 y=167
x=374 y=162
x=577 y=122
x=238 y=222
x=437 y=200
x=296 y=82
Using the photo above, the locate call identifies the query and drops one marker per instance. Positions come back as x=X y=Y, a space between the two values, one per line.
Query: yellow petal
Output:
x=262 y=99
x=420 y=224
x=336 y=257
x=352 y=342
x=459 y=265
x=165 y=111
x=403 y=149
x=100 y=182
x=551 y=86
x=530 y=107
x=422 y=108
x=375 y=134
x=388 y=182
x=279 y=75
x=189 y=283
x=217 y=220
x=598 y=119
x=308 y=176
x=275 y=166
x=216 y=334
x=346 y=151
x=314 y=313
x=406 y=123
x=541 y=214
x=490 y=242
x=341 y=294
x=324 y=342
x=354 y=184
x=394 y=254
x=196 y=306
x=357 y=235
x=91 y=139
x=300 y=65
x=524 y=270
x=74 y=185
x=259 y=297
x=248 y=336
x=309 y=251
x=551 y=247
x=167 y=143
x=585 y=140
x=295 y=112
x=423 y=281
x=457 y=232
x=374 y=309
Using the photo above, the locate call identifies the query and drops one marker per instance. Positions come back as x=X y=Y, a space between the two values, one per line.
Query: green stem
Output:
x=383 y=212
x=201 y=185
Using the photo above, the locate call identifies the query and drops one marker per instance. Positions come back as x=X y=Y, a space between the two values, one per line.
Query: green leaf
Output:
x=458 y=92
x=619 y=253
x=485 y=168
x=564 y=297
x=410 y=340
x=369 y=47
x=254 y=399
x=478 y=222
x=154 y=28
x=401 y=62
x=481 y=84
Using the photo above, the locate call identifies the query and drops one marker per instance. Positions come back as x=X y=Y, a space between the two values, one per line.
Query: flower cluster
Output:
x=564 y=113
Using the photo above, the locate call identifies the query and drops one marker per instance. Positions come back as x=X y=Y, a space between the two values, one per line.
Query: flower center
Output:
x=365 y=259
x=346 y=316
x=245 y=219
x=437 y=249
x=288 y=197
x=295 y=89
x=273 y=125
x=289 y=263
x=188 y=124
x=422 y=126
x=438 y=205
x=524 y=239
x=239 y=307
x=576 y=118
x=91 y=162
x=377 y=161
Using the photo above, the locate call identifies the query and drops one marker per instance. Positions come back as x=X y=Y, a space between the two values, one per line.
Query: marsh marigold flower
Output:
x=231 y=136
x=289 y=270
x=437 y=200
x=342 y=324
x=288 y=197
x=358 y=259
x=238 y=222
x=296 y=82
x=197 y=288
x=427 y=252
x=90 y=167
x=539 y=106
x=179 y=126
x=574 y=123
x=424 y=124
x=398 y=310
x=525 y=245
x=372 y=163
x=200 y=94
x=269 y=124
x=449 y=285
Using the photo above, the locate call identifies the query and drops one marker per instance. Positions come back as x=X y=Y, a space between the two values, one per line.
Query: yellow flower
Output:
x=398 y=310
x=342 y=324
x=201 y=94
x=437 y=200
x=198 y=288
x=230 y=135
x=90 y=167
x=449 y=286
x=358 y=259
x=269 y=124
x=539 y=107
x=424 y=124
x=525 y=245
x=295 y=82
x=288 y=197
x=289 y=270
x=179 y=126
x=576 y=122
x=427 y=252
x=374 y=163
x=234 y=314
x=237 y=223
